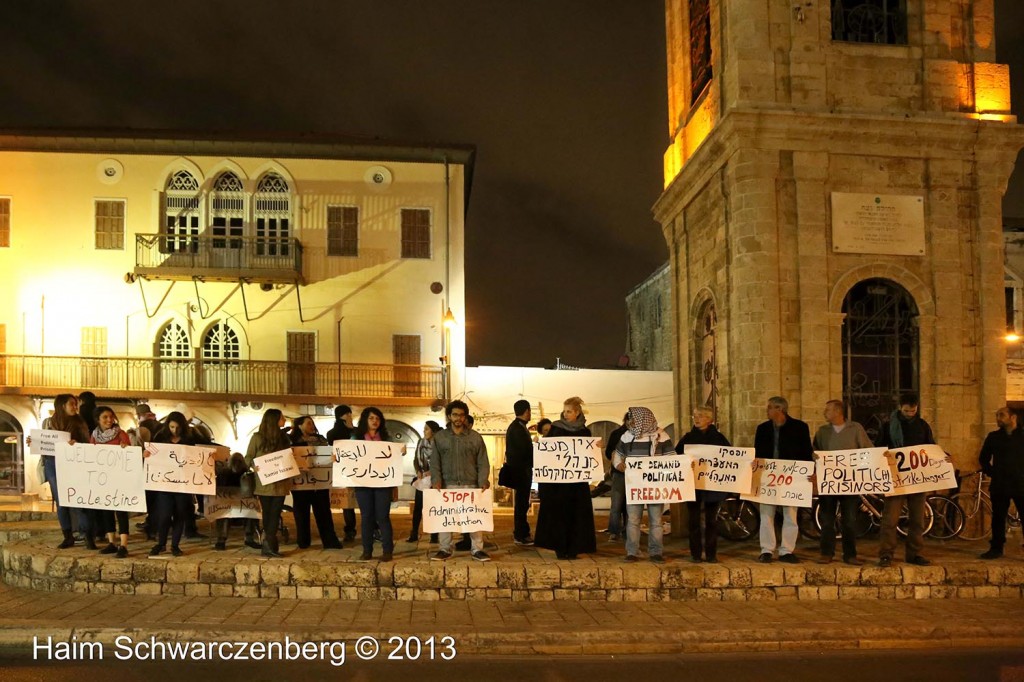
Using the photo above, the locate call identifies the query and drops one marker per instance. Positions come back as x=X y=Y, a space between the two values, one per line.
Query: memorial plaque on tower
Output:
x=889 y=224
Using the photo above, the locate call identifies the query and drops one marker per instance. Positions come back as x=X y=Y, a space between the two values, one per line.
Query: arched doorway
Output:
x=12 y=463
x=880 y=350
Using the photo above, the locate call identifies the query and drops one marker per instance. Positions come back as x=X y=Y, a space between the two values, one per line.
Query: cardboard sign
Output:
x=781 y=481
x=275 y=466
x=101 y=477
x=660 y=479
x=458 y=509
x=720 y=468
x=229 y=504
x=853 y=472
x=316 y=466
x=568 y=460
x=180 y=469
x=367 y=463
x=44 y=441
x=920 y=469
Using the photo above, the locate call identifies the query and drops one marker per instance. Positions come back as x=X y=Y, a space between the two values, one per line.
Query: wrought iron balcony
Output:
x=228 y=380
x=225 y=258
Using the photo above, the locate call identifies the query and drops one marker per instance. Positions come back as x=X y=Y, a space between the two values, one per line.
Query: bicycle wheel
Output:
x=977 y=516
x=806 y=520
x=862 y=523
x=903 y=523
x=738 y=520
x=947 y=518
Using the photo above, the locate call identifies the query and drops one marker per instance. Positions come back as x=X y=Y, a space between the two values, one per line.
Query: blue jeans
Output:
x=50 y=476
x=654 y=532
x=375 y=512
x=618 y=508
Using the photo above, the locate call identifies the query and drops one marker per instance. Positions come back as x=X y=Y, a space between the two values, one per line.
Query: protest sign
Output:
x=564 y=459
x=367 y=463
x=44 y=441
x=721 y=468
x=467 y=510
x=316 y=465
x=228 y=503
x=101 y=477
x=180 y=468
x=853 y=472
x=920 y=469
x=660 y=479
x=275 y=466
x=784 y=482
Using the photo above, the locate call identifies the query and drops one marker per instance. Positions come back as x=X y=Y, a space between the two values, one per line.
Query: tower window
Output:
x=883 y=22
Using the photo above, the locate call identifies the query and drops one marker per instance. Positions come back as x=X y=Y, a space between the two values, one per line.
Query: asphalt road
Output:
x=859 y=666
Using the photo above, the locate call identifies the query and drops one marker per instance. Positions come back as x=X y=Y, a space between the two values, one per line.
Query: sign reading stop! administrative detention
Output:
x=468 y=510
x=920 y=469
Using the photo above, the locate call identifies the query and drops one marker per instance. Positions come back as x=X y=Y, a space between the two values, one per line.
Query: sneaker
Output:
x=109 y=549
x=657 y=559
x=525 y=542
x=789 y=559
x=481 y=556
x=824 y=559
x=220 y=546
x=441 y=555
x=919 y=561
x=992 y=554
x=884 y=562
x=122 y=552
x=156 y=551
x=176 y=551
x=765 y=558
x=630 y=559
x=853 y=561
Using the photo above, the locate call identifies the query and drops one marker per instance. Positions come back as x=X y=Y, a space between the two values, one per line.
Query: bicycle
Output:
x=944 y=524
x=738 y=519
x=976 y=504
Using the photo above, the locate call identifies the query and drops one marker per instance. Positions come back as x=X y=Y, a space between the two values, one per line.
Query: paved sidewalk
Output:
x=493 y=627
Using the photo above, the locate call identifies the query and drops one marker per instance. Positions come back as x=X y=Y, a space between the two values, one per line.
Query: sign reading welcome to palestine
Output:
x=889 y=224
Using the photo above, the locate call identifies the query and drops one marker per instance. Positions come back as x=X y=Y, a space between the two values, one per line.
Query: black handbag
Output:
x=508 y=477
x=247 y=485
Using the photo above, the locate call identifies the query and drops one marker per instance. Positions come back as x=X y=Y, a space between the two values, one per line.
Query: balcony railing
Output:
x=265 y=259
x=239 y=379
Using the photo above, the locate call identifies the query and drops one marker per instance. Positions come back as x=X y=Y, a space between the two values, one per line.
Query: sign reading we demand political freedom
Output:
x=660 y=479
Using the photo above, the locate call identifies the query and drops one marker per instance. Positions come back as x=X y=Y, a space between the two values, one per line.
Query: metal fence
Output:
x=241 y=256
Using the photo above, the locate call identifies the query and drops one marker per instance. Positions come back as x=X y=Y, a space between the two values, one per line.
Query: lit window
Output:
x=221 y=343
x=273 y=216
x=174 y=342
x=227 y=211
x=181 y=214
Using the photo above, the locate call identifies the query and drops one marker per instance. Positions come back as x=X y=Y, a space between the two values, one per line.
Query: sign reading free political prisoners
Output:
x=180 y=468
x=853 y=472
x=44 y=441
x=660 y=479
x=463 y=509
x=564 y=459
x=228 y=503
x=784 y=482
x=316 y=466
x=101 y=477
x=920 y=469
x=721 y=468
x=275 y=466
x=366 y=463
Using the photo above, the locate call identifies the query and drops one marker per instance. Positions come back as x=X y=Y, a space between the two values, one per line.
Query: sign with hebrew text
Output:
x=564 y=459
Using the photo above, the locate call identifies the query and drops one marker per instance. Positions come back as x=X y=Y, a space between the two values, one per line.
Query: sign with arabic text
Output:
x=316 y=467
x=366 y=463
x=180 y=468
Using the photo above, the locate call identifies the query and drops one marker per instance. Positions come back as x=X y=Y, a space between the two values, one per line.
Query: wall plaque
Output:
x=891 y=224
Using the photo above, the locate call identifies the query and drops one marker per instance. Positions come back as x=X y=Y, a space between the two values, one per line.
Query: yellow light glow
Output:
x=449 y=319
x=1011 y=338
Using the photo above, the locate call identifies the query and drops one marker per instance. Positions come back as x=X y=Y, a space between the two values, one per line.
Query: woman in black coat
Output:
x=704 y=433
x=565 y=521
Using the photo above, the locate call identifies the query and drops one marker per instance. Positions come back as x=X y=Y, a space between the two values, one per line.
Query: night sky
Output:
x=564 y=99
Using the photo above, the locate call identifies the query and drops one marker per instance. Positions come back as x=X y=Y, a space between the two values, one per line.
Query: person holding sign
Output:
x=343 y=430
x=1002 y=458
x=172 y=509
x=229 y=477
x=643 y=439
x=565 y=521
x=270 y=438
x=839 y=434
x=704 y=433
x=65 y=418
x=906 y=428
x=781 y=437
x=375 y=503
x=108 y=432
x=459 y=460
x=304 y=433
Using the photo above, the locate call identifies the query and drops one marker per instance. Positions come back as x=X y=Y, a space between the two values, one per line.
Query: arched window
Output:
x=880 y=350
x=227 y=211
x=221 y=343
x=174 y=343
x=181 y=213
x=273 y=214
x=707 y=357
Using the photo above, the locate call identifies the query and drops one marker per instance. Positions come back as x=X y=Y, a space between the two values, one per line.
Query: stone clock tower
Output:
x=832 y=208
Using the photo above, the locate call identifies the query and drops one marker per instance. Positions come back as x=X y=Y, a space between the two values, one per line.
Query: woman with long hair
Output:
x=304 y=433
x=267 y=439
x=421 y=462
x=375 y=503
x=113 y=522
x=172 y=508
x=565 y=521
x=65 y=418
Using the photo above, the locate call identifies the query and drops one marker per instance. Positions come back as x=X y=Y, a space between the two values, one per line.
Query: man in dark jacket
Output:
x=342 y=430
x=781 y=437
x=617 y=512
x=1002 y=458
x=519 y=460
